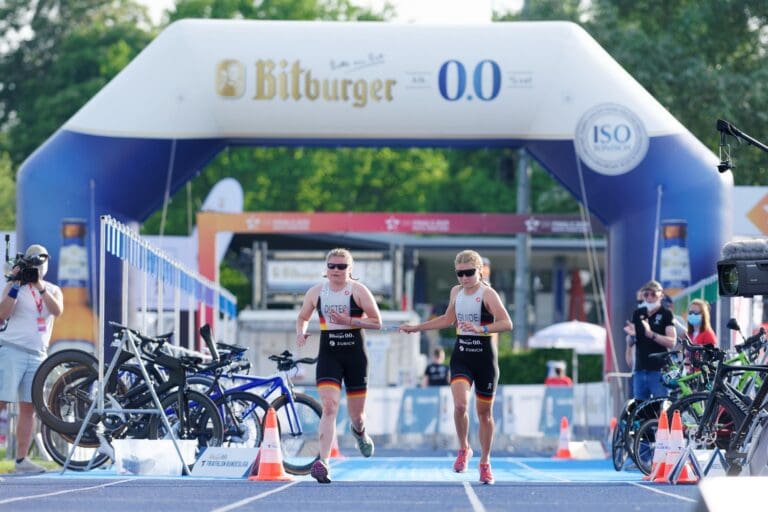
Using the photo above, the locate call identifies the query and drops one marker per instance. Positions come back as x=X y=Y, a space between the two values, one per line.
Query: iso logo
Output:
x=611 y=139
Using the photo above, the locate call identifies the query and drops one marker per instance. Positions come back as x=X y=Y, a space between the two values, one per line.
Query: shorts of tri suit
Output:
x=343 y=359
x=475 y=360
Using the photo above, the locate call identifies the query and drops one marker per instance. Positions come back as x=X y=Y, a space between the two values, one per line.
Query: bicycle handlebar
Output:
x=286 y=362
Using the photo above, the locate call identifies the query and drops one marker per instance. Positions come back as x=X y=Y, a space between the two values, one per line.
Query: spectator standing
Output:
x=437 y=372
x=559 y=378
x=700 y=329
x=652 y=328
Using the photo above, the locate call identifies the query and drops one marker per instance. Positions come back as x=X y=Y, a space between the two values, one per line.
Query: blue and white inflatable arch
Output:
x=546 y=86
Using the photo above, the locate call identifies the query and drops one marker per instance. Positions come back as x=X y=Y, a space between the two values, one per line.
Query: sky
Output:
x=408 y=11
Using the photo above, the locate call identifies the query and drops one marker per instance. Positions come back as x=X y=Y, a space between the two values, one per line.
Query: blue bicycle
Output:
x=243 y=411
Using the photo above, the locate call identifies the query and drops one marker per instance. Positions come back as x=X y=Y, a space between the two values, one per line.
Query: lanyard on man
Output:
x=39 y=306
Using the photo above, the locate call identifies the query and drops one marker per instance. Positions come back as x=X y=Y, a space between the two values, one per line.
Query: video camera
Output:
x=28 y=272
x=743 y=271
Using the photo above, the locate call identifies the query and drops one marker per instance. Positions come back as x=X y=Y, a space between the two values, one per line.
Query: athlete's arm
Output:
x=305 y=314
x=501 y=320
x=447 y=319
x=364 y=298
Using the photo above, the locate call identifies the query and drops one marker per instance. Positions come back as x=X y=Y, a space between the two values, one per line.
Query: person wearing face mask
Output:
x=27 y=312
x=653 y=329
x=700 y=330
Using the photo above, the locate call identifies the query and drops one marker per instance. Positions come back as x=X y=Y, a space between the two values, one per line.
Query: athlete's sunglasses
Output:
x=466 y=273
x=340 y=266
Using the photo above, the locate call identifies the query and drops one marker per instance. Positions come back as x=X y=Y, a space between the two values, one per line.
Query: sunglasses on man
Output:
x=340 y=266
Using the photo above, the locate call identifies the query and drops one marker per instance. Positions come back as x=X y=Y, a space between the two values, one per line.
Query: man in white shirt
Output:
x=28 y=307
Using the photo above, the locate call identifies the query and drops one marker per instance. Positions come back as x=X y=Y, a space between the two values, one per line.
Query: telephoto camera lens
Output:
x=729 y=279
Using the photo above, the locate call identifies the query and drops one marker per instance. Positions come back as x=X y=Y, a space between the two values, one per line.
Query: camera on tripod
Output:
x=27 y=268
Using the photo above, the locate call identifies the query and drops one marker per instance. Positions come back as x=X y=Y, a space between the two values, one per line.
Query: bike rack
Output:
x=128 y=339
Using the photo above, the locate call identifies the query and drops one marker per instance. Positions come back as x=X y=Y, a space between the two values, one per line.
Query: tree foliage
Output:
x=75 y=48
x=702 y=61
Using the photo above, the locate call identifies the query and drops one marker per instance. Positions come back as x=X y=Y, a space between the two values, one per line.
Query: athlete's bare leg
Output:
x=329 y=398
x=356 y=406
x=460 y=392
x=485 y=417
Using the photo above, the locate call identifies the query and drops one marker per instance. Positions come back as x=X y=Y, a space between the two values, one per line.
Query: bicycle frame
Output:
x=279 y=380
x=723 y=391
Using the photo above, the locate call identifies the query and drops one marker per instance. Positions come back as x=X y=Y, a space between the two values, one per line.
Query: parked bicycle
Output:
x=715 y=417
x=244 y=412
x=65 y=386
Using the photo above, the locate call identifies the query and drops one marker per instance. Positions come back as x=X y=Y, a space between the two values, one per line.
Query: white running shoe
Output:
x=28 y=467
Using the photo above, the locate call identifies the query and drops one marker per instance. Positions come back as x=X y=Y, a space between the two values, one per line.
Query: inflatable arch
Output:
x=545 y=86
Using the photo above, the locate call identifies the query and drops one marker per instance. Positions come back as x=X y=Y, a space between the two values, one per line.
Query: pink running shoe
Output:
x=320 y=472
x=486 y=477
x=462 y=458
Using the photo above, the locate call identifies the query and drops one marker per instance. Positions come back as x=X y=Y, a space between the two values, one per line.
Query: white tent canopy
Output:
x=583 y=337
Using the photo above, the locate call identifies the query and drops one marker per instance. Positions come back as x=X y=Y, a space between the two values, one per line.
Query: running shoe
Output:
x=462 y=459
x=320 y=472
x=28 y=467
x=364 y=442
x=486 y=477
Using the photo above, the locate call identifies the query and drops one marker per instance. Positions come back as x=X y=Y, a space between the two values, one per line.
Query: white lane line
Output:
x=671 y=495
x=540 y=472
x=246 y=501
x=35 y=496
x=477 y=505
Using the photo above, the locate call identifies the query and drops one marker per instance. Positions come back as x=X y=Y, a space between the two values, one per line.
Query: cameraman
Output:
x=27 y=309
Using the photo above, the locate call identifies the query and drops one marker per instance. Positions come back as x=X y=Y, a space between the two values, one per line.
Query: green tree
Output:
x=7 y=193
x=74 y=49
x=701 y=60
x=332 y=10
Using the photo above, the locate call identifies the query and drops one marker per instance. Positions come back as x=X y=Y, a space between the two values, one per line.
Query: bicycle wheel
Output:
x=717 y=431
x=59 y=445
x=644 y=411
x=618 y=441
x=62 y=388
x=299 y=427
x=644 y=445
x=201 y=383
x=242 y=413
x=203 y=420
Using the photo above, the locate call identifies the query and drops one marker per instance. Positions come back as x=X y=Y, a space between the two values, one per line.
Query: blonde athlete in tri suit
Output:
x=345 y=307
x=477 y=312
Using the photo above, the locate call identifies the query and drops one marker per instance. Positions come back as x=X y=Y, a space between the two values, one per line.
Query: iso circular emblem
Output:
x=611 y=139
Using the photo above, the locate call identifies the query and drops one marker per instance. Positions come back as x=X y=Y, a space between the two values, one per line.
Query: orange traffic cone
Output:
x=612 y=426
x=609 y=441
x=563 y=451
x=335 y=452
x=677 y=441
x=660 y=449
x=270 y=457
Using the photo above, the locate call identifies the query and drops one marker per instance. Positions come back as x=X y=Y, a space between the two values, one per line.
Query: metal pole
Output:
x=522 y=254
